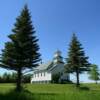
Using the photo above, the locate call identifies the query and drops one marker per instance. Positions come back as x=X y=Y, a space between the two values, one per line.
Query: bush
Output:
x=11 y=78
x=56 y=78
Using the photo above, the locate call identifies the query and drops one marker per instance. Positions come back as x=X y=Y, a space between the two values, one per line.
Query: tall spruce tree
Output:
x=94 y=73
x=77 y=61
x=22 y=52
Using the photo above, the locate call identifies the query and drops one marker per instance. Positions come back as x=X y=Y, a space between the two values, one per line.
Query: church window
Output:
x=44 y=73
x=38 y=74
x=34 y=75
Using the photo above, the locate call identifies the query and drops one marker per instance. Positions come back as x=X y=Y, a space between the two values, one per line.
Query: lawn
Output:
x=51 y=92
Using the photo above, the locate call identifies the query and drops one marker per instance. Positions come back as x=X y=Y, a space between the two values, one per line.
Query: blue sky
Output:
x=55 y=21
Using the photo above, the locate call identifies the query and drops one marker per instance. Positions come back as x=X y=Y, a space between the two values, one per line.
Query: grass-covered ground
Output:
x=51 y=92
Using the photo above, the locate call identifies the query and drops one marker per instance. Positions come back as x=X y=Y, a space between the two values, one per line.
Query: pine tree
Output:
x=94 y=73
x=22 y=52
x=77 y=62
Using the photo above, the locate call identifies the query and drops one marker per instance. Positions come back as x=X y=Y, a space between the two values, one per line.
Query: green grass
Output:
x=51 y=92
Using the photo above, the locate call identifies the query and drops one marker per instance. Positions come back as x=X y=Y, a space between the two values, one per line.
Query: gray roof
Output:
x=44 y=66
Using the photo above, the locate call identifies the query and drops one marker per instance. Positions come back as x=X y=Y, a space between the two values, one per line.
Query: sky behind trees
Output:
x=55 y=21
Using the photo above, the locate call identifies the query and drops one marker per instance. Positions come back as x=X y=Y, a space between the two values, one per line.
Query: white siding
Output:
x=41 y=76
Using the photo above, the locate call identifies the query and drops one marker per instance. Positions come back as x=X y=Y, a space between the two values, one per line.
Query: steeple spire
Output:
x=57 y=57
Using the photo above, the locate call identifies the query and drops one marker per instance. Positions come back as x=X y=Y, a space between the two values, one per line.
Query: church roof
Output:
x=44 y=66
x=50 y=64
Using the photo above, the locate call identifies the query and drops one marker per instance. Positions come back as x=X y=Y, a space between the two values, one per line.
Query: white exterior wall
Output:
x=37 y=77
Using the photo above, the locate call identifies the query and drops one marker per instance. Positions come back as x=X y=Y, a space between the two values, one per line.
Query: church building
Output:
x=44 y=72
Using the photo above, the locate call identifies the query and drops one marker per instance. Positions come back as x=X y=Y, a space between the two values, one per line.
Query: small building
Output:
x=44 y=72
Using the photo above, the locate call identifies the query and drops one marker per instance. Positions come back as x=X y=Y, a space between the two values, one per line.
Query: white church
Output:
x=44 y=72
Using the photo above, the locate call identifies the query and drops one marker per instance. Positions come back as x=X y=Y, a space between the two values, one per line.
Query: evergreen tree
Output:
x=94 y=73
x=77 y=61
x=22 y=52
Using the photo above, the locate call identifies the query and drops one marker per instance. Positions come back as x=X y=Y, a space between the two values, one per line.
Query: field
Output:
x=51 y=92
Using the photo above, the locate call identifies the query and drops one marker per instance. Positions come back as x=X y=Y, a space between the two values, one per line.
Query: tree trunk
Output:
x=19 y=78
x=77 y=79
x=96 y=82
x=68 y=77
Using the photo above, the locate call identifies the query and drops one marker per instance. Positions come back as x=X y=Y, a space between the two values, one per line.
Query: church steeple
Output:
x=57 y=57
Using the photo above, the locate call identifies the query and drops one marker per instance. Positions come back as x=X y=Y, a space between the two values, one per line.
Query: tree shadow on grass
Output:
x=23 y=95
x=84 y=88
x=13 y=95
